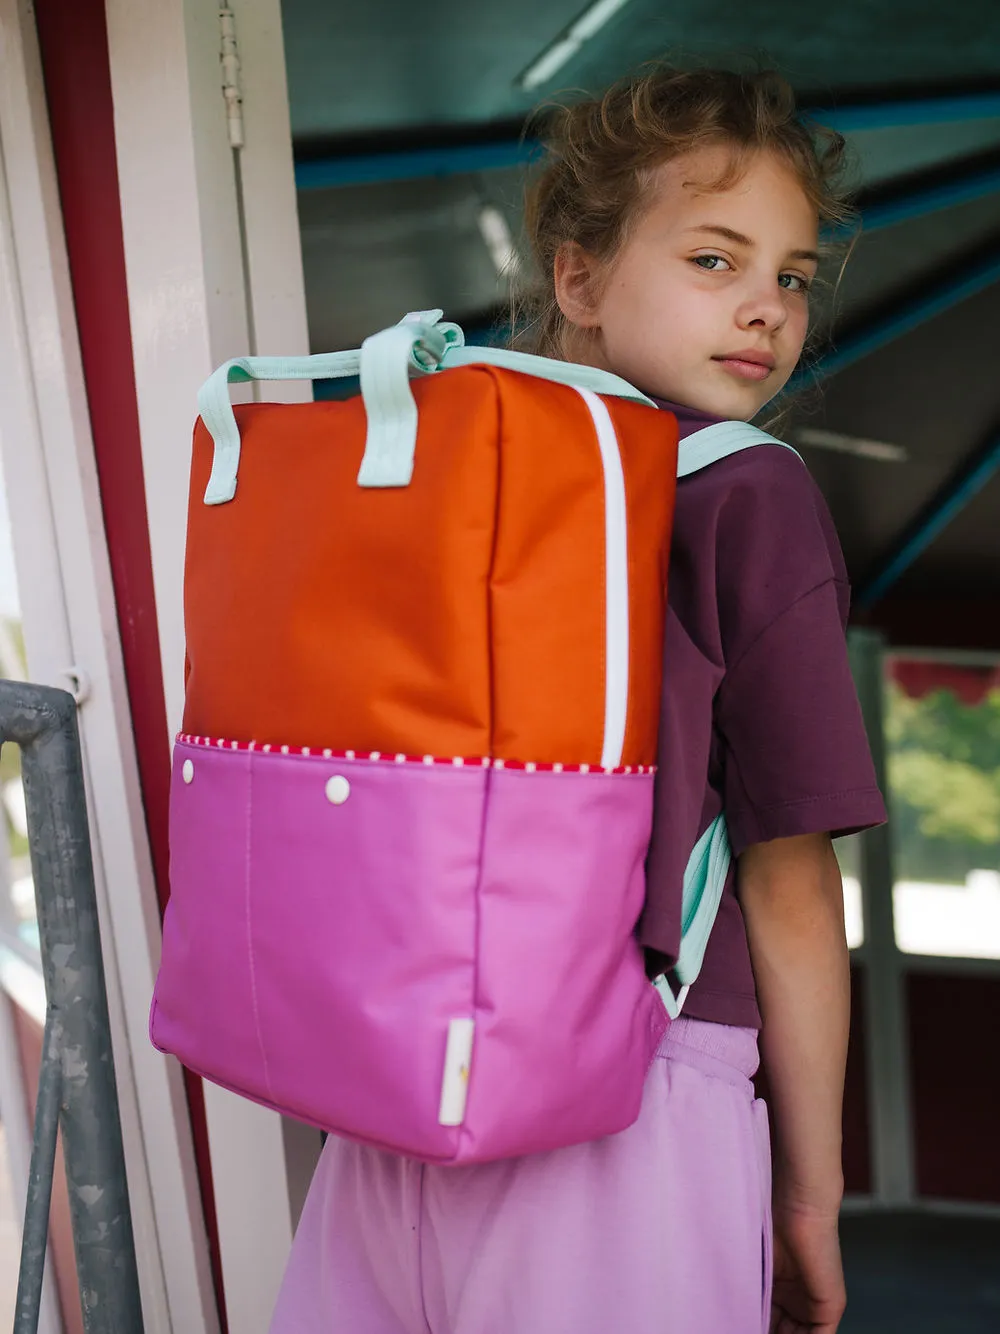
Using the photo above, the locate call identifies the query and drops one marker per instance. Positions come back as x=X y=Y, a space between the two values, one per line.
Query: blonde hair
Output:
x=601 y=155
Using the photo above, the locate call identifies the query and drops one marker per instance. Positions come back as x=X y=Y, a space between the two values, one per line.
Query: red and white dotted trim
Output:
x=378 y=756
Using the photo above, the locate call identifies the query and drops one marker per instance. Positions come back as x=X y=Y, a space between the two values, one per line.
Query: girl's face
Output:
x=707 y=301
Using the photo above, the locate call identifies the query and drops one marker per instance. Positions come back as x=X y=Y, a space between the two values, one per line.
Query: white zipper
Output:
x=616 y=589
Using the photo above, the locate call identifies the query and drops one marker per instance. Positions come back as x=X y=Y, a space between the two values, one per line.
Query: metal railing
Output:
x=76 y=1088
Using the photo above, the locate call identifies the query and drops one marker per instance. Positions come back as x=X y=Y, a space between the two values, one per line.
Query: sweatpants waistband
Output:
x=718 y=1049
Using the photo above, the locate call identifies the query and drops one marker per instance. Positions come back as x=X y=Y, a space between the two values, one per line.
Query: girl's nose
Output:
x=763 y=308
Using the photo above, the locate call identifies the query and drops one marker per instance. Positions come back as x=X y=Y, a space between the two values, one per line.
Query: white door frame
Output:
x=214 y=270
x=70 y=626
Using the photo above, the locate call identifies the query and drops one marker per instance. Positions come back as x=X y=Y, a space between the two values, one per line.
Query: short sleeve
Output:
x=795 y=752
x=796 y=757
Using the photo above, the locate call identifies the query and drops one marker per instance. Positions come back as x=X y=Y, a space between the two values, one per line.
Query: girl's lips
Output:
x=744 y=370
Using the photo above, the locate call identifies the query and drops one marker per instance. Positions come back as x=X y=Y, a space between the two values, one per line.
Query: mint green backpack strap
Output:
x=716 y=442
x=545 y=368
x=709 y=863
x=704 y=881
x=420 y=344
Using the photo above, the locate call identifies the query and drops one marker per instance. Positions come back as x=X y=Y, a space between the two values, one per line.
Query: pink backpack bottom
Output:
x=336 y=923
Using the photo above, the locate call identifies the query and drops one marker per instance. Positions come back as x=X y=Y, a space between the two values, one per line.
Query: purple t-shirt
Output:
x=760 y=715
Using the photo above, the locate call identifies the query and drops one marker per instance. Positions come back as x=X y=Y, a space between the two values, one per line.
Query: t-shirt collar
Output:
x=689 y=420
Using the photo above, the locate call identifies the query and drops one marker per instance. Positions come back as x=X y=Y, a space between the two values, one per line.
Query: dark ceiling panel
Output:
x=936 y=391
x=392 y=65
x=389 y=65
x=854 y=45
x=965 y=559
x=371 y=253
x=898 y=259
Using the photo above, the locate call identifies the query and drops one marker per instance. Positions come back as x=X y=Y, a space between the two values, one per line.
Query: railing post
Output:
x=77 y=1062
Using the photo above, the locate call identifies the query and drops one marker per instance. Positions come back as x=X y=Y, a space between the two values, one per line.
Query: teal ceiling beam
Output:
x=961 y=488
x=414 y=164
x=909 y=112
x=919 y=201
x=442 y=160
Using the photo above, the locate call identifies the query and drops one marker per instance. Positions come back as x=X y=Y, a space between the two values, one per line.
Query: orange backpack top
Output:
x=316 y=610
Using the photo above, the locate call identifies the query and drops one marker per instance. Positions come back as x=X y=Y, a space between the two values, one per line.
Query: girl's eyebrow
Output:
x=738 y=238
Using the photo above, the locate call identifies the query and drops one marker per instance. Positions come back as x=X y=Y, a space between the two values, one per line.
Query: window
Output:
x=943 y=760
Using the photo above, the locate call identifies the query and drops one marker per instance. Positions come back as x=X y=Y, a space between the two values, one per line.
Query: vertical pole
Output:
x=42 y=721
x=34 y=1235
x=886 y=1034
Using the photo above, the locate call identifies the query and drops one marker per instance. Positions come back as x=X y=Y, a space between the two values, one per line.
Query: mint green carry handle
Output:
x=384 y=362
x=216 y=409
x=415 y=346
x=420 y=344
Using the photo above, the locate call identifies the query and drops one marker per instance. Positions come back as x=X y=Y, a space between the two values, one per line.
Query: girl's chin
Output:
x=736 y=403
x=728 y=407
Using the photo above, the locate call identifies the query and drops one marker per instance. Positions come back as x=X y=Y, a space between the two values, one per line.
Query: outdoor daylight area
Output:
x=499 y=667
x=943 y=735
x=943 y=742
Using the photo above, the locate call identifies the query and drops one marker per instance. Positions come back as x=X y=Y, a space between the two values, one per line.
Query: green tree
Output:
x=944 y=780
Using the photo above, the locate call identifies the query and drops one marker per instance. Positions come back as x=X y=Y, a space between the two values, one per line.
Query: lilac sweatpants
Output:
x=663 y=1229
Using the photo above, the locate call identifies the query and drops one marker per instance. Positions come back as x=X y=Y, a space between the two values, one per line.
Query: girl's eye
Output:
x=713 y=263
x=794 y=282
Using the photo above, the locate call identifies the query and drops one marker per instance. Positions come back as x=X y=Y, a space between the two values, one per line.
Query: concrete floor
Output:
x=921 y=1273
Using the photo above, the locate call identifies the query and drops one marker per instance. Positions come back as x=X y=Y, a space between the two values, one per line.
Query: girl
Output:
x=676 y=225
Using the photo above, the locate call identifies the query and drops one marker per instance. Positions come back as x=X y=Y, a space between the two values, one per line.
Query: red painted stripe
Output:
x=74 y=48
x=378 y=757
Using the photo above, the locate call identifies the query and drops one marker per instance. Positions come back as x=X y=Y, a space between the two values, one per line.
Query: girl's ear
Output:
x=575 y=275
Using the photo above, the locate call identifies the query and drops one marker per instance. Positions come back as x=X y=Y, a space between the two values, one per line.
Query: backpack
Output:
x=412 y=795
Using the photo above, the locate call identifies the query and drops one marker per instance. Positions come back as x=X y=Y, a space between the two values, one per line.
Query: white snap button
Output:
x=338 y=789
x=187 y=771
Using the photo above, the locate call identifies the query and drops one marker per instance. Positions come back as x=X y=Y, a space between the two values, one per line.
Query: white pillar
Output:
x=214 y=271
x=886 y=1029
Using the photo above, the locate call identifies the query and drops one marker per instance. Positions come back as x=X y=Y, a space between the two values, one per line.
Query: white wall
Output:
x=208 y=280
x=70 y=628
